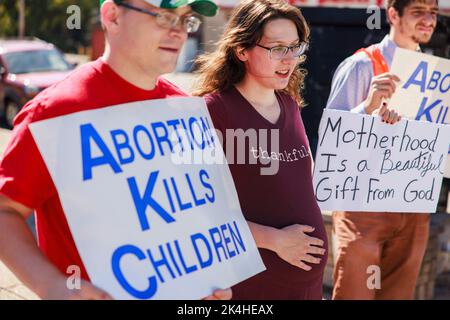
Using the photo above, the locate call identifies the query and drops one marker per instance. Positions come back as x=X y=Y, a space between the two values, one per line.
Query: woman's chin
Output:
x=281 y=85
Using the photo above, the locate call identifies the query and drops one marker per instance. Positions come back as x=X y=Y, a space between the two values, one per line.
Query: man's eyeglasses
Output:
x=279 y=52
x=166 y=19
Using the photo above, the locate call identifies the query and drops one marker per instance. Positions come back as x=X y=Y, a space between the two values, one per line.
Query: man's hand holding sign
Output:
x=382 y=88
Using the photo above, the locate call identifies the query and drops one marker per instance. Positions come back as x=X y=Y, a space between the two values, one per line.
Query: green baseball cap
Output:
x=204 y=7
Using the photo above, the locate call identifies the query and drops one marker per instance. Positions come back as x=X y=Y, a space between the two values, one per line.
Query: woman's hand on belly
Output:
x=291 y=243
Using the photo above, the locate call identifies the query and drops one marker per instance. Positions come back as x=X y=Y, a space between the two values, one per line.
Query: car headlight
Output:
x=31 y=90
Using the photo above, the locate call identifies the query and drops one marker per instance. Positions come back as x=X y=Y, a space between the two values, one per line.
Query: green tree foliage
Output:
x=46 y=19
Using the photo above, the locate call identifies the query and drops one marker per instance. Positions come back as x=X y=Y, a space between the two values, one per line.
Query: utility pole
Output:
x=21 y=19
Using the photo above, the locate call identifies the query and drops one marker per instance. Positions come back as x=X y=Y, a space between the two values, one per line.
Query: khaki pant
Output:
x=394 y=242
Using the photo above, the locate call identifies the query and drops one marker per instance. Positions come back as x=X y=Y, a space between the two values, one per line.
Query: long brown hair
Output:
x=221 y=69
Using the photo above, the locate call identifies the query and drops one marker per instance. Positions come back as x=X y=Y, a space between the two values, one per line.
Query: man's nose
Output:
x=430 y=18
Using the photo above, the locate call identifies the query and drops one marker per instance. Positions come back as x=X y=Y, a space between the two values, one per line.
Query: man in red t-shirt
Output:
x=144 y=38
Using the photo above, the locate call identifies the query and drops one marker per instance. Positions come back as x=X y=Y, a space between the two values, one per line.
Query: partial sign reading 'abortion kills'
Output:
x=363 y=164
x=424 y=90
x=147 y=225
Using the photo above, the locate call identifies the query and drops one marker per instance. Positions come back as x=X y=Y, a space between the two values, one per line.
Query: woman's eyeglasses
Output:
x=279 y=52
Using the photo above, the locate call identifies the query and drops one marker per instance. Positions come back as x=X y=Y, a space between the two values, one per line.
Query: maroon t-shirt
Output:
x=276 y=200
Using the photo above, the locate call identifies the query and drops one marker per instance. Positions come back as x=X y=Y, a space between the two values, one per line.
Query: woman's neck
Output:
x=256 y=94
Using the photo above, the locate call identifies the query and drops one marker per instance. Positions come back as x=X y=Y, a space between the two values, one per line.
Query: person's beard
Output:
x=421 y=39
x=417 y=36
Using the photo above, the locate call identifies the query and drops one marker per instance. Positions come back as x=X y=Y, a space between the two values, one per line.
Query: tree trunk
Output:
x=21 y=19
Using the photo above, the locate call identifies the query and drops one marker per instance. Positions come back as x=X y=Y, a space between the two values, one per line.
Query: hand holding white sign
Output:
x=382 y=87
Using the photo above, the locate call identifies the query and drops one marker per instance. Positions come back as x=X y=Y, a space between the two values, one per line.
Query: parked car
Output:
x=27 y=67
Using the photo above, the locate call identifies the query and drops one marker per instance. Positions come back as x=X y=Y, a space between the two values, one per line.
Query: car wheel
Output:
x=11 y=110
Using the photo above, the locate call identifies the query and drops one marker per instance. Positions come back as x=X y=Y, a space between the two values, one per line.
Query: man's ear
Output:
x=393 y=16
x=241 y=54
x=109 y=14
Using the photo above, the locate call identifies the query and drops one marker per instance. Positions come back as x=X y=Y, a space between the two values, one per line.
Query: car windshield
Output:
x=35 y=61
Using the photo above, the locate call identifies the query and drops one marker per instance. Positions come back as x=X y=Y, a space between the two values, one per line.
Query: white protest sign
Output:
x=363 y=164
x=424 y=90
x=146 y=224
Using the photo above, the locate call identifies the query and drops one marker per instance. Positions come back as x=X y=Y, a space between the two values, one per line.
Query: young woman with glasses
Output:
x=252 y=82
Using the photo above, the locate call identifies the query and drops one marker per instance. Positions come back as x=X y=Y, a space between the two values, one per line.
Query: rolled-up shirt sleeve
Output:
x=350 y=85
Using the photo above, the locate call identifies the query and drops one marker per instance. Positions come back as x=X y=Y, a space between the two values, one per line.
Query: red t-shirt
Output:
x=277 y=200
x=23 y=175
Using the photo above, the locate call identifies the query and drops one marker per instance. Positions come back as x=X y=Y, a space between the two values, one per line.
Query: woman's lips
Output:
x=171 y=50
x=282 y=75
